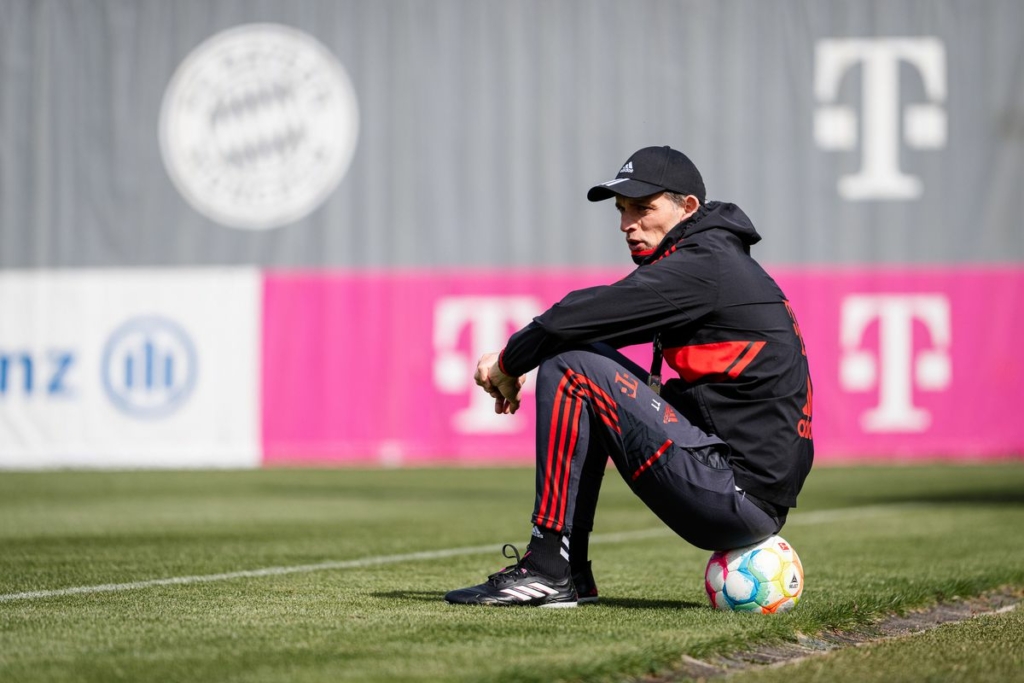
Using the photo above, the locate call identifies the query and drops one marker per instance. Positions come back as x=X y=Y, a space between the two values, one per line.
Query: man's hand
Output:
x=503 y=388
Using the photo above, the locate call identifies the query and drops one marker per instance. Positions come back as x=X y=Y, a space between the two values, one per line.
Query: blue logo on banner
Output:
x=149 y=367
x=28 y=374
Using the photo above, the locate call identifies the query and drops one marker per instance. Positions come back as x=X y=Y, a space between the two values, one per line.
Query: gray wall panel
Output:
x=482 y=124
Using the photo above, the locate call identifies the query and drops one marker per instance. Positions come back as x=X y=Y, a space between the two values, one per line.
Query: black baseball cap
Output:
x=649 y=171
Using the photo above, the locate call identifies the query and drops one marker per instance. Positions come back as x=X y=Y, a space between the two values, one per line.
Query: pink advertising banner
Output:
x=377 y=368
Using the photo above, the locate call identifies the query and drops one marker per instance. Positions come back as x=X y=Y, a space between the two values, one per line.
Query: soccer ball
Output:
x=766 y=577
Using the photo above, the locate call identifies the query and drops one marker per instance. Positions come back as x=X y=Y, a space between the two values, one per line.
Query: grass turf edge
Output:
x=868 y=627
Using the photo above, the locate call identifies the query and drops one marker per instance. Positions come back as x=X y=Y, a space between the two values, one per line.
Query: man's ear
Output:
x=688 y=207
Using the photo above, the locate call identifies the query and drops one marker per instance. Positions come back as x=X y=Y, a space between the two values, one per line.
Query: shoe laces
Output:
x=511 y=571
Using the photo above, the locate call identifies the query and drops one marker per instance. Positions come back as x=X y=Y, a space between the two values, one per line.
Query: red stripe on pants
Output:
x=573 y=391
x=553 y=439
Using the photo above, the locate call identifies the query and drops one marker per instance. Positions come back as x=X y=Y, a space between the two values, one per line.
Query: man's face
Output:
x=646 y=220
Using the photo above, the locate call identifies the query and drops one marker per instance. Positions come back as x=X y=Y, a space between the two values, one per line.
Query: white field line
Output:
x=797 y=519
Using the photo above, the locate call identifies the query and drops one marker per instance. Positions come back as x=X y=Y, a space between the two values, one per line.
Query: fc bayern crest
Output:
x=258 y=126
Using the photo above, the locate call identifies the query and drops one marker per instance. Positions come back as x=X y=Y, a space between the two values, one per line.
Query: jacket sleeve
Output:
x=669 y=293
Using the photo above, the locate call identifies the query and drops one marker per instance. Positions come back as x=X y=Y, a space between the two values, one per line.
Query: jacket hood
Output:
x=710 y=216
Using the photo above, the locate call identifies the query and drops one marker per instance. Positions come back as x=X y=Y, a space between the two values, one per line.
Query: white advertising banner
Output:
x=130 y=368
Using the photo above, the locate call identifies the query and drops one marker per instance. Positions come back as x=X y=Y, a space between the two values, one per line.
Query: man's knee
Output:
x=576 y=360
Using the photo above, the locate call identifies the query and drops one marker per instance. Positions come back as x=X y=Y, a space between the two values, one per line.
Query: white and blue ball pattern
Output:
x=766 y=577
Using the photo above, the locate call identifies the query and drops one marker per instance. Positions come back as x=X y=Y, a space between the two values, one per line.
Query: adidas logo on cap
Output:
x=652 y=170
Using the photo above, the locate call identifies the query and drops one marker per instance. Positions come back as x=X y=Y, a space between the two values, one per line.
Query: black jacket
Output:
x=725 y=327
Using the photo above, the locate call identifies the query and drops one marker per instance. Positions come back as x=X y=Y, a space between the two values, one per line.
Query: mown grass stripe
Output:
x=817 y=517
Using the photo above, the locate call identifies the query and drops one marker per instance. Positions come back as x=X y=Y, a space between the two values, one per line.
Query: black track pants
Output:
x=594 y=403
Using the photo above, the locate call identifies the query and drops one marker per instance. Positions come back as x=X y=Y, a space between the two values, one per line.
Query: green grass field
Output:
x=346 y=597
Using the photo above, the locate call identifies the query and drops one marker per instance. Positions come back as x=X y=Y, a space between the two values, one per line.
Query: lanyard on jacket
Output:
x=654 y=380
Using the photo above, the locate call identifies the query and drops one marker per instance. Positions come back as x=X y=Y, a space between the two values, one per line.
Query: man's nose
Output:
x=626 y=223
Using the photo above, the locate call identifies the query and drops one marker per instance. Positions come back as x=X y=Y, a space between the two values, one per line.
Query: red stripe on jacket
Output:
x=728 y=358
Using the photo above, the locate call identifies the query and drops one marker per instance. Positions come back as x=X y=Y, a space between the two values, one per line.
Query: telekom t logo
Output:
x=896 y=371
x=488 y=322
x=924 y=125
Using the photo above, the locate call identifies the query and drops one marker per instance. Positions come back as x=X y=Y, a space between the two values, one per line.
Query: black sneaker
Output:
x=586 y=587
x=518 y=584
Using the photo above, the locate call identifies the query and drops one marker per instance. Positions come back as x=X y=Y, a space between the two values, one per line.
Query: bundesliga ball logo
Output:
x=766 y=577
x=258 y=126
